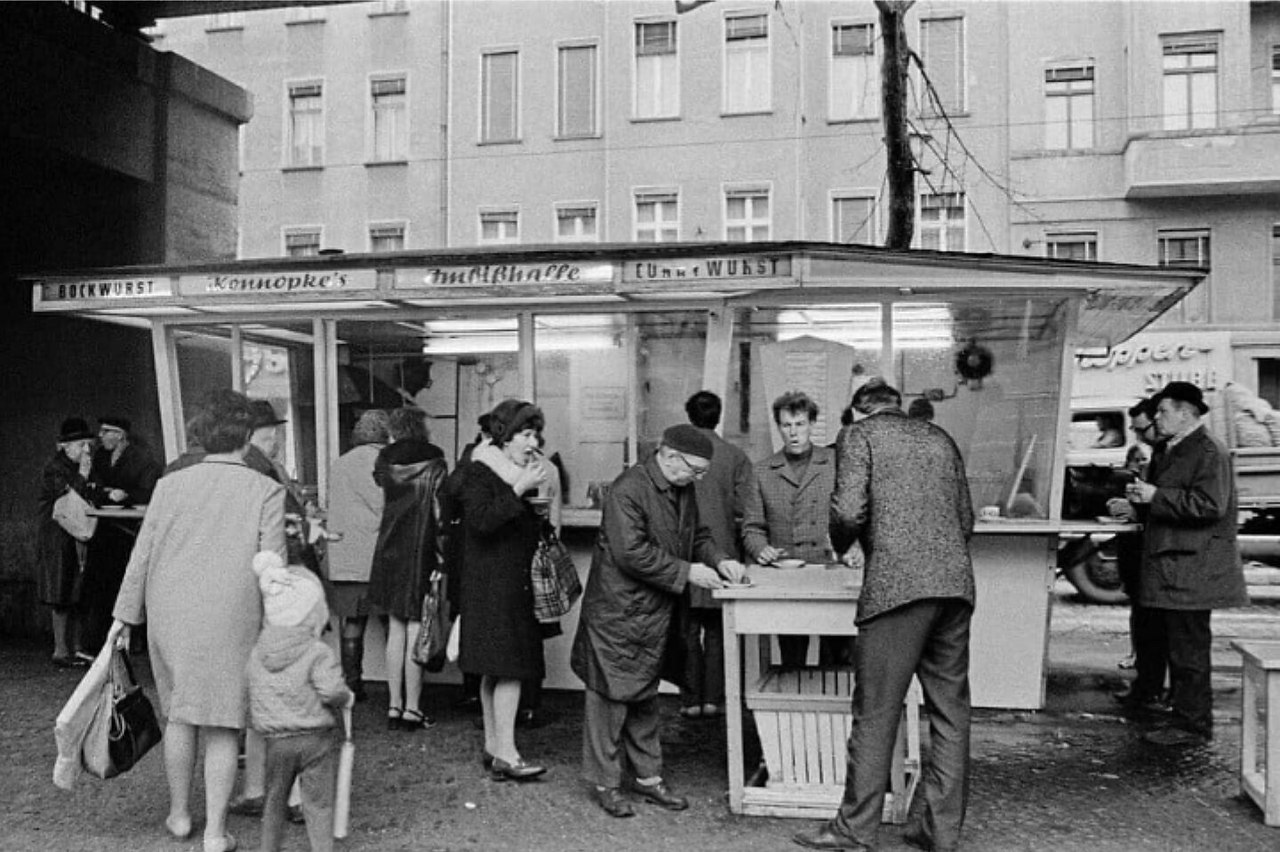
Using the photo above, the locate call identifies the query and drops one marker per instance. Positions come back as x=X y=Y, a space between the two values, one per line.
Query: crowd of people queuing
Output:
x=234 y=604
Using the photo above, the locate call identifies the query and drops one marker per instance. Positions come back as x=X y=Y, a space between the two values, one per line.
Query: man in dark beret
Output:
x=652 y=545
x=1190 y=558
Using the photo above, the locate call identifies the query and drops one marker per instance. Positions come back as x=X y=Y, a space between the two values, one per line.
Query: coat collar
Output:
x=821 y=456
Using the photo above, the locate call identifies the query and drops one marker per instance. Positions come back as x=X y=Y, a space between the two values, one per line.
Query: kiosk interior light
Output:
x=562 y=333
x=915 y=326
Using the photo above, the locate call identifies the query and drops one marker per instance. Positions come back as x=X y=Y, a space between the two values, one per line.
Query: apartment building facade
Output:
x=1130 y=132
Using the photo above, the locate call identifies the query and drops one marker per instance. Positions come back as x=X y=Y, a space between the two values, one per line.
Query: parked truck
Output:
x=1104 y=389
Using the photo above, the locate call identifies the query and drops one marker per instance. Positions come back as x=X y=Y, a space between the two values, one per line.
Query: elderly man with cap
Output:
x=122 y=474
x=1190 y=558
x=651 y=546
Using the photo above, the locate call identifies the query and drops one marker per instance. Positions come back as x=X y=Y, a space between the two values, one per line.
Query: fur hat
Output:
x=289 y=595
x=688 y=439
x=1183 y=392
x=511 y=417
x=73 y=429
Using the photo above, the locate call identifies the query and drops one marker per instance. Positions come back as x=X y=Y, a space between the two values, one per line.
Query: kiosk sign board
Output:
x=100 y=292
x=729 y=268
x=556 y=275
x=311 y=282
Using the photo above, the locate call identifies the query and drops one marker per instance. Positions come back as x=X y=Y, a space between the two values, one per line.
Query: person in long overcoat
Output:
x=355 y=514
x=500 y=638
x=59 y=557
x=901 y=491
x=406 y=555
x=191 y=580
x=1190 y=556
x=651 y=545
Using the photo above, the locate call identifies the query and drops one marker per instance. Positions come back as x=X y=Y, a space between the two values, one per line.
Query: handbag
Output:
x=71 y=512
x=125 y=725
x=555 y=578
x=433 y=634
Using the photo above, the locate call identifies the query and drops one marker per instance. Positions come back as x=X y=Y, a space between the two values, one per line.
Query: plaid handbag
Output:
x=555 y=578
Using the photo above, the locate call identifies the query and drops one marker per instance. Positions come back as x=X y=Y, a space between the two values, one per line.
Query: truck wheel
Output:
x=1096 y=582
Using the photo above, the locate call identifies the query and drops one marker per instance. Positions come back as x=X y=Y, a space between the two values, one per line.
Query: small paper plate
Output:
x=1107 y=519
x=789 y=563
x=745 y=584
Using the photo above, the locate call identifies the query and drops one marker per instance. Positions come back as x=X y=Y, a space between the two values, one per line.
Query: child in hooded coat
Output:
x=295 y=684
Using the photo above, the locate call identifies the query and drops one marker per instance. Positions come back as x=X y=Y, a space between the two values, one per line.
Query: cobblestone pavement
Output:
x=1072 y=777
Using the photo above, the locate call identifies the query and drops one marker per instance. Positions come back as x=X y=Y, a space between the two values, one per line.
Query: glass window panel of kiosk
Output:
x=582 y=376
x=669 y=356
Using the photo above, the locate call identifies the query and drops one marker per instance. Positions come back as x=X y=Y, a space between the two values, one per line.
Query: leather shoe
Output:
x=501 y=770
x=613 y=803
x=660 y=794
x=826 y=837
x=915 y=836
x=1175 y=736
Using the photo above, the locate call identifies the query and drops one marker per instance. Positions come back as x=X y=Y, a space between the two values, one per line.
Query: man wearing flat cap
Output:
x=1190 y=558
x=122 y=474
x=652 y=545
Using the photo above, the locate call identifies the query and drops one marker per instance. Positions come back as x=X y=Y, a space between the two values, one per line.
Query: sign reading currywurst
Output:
x=324 y=281
x=105 y=289
x=708 y=268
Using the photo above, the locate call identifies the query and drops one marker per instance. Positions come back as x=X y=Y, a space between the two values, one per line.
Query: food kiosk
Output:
x=610 y=340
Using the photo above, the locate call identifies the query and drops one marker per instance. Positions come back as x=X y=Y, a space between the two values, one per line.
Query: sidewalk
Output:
x=1072 y=777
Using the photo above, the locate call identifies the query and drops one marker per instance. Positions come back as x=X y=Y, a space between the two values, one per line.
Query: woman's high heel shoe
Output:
x=501 y=770
x=395 y=718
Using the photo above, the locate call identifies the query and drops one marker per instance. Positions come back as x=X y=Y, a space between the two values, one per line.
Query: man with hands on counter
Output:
x=651 y=545
x=1190 y=558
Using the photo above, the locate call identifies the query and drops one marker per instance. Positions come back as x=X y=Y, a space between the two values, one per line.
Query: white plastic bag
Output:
x=455 y=640
x=71 y=511
x=72 y=724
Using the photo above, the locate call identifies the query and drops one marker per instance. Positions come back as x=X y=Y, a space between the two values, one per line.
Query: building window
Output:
x=306 y=124
x=747 y=81
x=386 y=237
x=305 y=15
x=746 y=214
x=1073 y=245
x=1275 y=79
x=576 y=113
x=224 y=21
x=388 y=7
x=576 y=223
x=302 y=242
x=855 y=73
x=657 y=71
x=942 y=221
x=853 y=219
x=499 y=226
x=942 y=53
x=390 y=119
x=1190 y=81
x=1068 y=107
x=1188 y=249
x=500 y=96
x=657 y=217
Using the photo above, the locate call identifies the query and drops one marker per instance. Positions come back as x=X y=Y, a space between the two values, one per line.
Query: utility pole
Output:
x=897 y=141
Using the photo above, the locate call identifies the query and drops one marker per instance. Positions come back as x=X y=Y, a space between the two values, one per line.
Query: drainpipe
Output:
x=446 y=112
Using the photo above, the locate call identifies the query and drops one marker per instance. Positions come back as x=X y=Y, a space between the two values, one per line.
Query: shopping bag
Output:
x=125 y=726
x=71 y=512
x=433 y=633
x=555 y=579
x=342 y=796
x=72 y=725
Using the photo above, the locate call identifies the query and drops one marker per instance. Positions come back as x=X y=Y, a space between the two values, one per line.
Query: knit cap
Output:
x=289 y=595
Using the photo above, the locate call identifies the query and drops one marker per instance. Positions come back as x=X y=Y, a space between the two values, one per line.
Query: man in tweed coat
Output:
x=901 y=492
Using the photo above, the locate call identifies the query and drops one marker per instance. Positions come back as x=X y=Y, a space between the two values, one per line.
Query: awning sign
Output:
x=104 y=292
x=734 y=268
x=504 y=275
x=325 y=282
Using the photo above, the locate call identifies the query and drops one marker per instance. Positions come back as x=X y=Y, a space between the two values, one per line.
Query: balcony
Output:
x=1226 y=161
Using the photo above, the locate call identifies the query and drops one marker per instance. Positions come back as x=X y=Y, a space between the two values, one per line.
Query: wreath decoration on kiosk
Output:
x=974 y=363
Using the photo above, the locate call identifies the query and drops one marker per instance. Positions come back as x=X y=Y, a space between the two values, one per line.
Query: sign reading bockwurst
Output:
x=707 y=269
x=105 y=289
x=244 y=283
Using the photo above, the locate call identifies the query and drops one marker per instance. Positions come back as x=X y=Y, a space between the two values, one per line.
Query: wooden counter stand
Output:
x=1260 y=726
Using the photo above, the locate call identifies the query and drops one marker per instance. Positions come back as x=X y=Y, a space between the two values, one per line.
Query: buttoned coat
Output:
x=650 y=532
x=1190 y=557
x=901 y=491
x=791 y=513
x=355 y=511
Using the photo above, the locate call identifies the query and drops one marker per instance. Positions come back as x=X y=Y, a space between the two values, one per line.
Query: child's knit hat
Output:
x=289 y=595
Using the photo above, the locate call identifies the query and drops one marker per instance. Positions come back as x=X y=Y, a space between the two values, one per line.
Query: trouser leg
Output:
x=1150 y=650
x=282 y=768
x=640 y=738
x=1190 y=668
x=602 y=739
x=713 y=654
x=318 y=781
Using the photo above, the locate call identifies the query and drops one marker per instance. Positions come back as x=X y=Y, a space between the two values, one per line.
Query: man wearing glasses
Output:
x=652 y=545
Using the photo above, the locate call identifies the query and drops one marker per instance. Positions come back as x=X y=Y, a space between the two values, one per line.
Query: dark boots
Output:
x=353 y=664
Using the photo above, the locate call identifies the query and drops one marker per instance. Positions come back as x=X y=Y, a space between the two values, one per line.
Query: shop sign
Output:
x=323 y=282
x=707 y=269
x=104 y=291
x=504 y=274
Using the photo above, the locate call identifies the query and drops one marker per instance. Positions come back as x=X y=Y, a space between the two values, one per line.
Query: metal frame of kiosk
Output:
x=745 y=320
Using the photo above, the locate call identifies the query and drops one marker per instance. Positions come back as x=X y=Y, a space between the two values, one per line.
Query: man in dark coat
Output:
x=650 y=537
x=901 y=492
x=122 y=474
x=1190 y=558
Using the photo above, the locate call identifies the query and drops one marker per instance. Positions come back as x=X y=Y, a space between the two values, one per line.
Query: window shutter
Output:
x=853 y=40
x=745 y=27
x=655 y=39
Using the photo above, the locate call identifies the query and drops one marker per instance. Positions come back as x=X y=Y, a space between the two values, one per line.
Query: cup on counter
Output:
x=989 y=513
